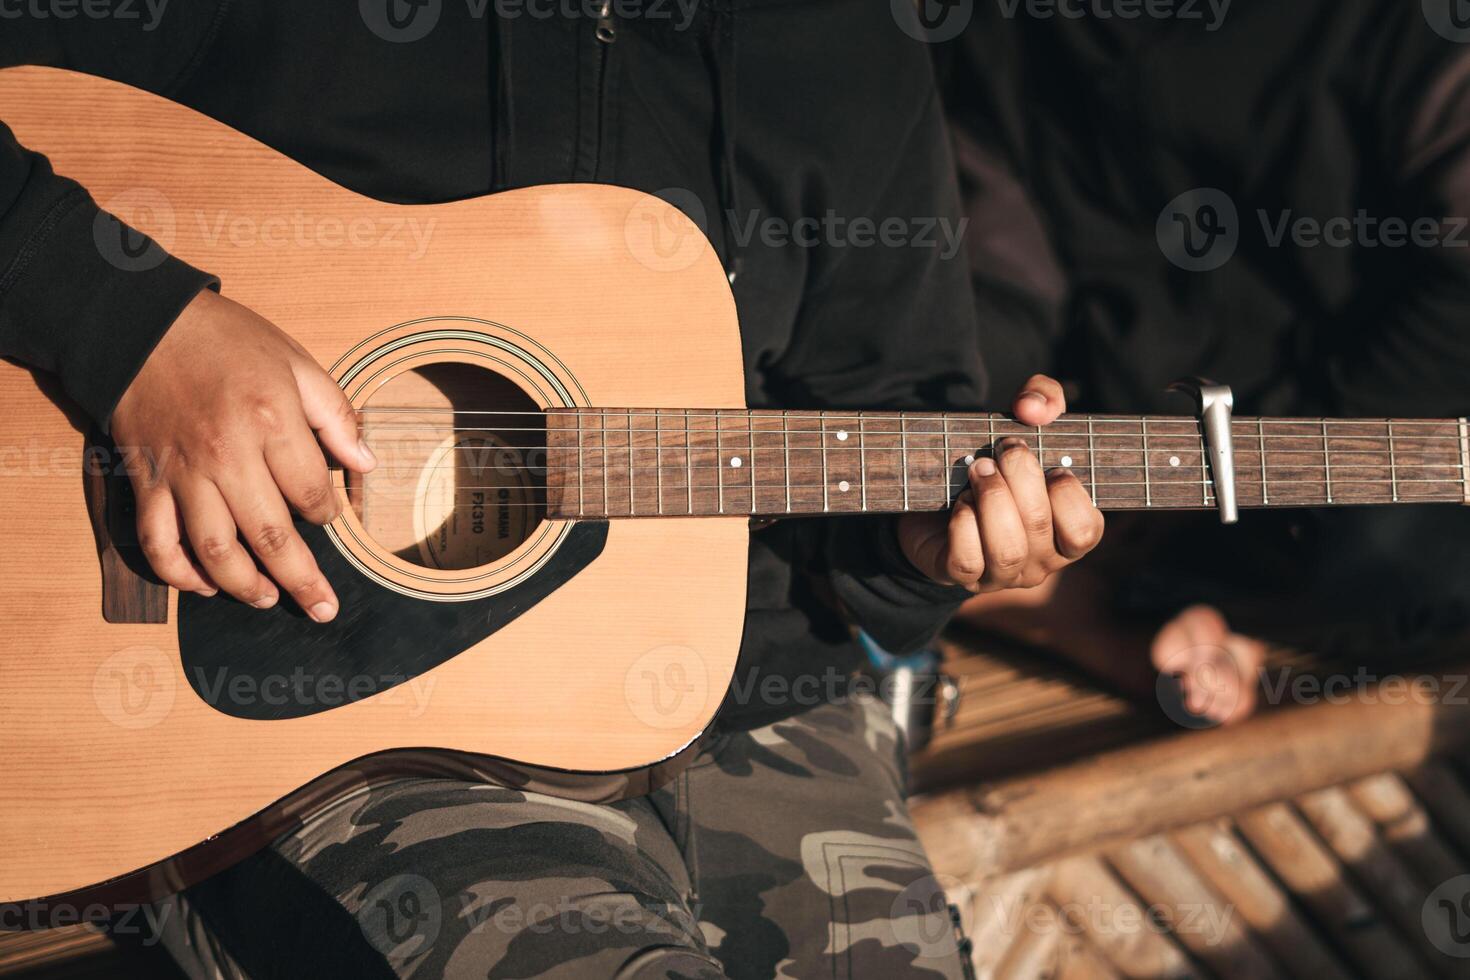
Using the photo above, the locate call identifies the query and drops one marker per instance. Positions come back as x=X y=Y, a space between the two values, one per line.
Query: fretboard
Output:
x=618 y=463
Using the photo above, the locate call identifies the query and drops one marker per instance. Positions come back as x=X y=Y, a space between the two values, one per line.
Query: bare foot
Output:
x=1205 y=669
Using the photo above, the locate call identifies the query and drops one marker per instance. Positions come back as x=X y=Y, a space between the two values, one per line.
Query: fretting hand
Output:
x=1014 y=526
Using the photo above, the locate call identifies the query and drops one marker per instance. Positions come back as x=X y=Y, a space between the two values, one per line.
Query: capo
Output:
x=1214 y=404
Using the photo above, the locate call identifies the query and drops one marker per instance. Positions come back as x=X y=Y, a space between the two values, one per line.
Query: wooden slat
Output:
x=1353 y=839
x=1235 y=873
x=1406 y=828
x=1097 y=902
x=1199 y=919
x=1294 y=854
x=1007 y=824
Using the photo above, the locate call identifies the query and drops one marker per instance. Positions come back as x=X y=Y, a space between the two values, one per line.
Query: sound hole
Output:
x=460 y=481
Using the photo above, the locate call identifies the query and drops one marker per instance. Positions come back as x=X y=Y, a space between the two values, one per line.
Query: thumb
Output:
x=331 y=415
x=923 y=539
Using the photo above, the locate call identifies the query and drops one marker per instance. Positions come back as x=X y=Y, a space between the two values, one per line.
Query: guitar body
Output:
x=576 y=662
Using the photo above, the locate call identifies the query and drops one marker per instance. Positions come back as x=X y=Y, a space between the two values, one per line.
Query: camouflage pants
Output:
x=785 y=851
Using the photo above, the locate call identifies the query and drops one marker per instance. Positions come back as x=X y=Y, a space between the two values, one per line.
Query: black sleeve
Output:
x=73 y=300
x=81 y=295
x=1406 y=349
x=909 y=310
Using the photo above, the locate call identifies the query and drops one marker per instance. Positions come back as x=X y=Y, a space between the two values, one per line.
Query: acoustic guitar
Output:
x=543 y=583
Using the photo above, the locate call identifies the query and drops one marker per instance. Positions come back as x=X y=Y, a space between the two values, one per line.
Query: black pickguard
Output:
x=278 y=664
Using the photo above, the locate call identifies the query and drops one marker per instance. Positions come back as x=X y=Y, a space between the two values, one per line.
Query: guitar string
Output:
x=880 y=416
x=1046 y=431
x=894 y=486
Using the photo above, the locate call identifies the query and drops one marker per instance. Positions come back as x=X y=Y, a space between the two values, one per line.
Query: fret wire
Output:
x=1204 y=467
x=630 y=462
x=1148 y=494
x=689 y=462
x=658 y=459
x=750 y=431
x=822 y=422
x=1327 y=458
x=581 y=480
x=903 y=437
x=606 y=498
x=863 y=460
x=1465 y=457
x=719 y=465
x=990 y=429
x=1393 y=468
x=1261 y=436
x=945 y=467
x=1091 y=461
x=786 y=442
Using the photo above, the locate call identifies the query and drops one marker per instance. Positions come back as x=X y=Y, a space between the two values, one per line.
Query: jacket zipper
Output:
x=607 y=33
x=607 y=30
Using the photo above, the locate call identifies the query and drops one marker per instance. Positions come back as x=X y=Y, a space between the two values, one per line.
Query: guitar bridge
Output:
x=130 y=592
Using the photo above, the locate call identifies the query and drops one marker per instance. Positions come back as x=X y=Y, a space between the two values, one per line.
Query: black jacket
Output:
x=771 y=110
x=1078 y=133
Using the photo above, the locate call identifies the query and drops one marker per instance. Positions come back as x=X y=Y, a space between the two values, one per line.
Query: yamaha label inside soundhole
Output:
x=459 y=482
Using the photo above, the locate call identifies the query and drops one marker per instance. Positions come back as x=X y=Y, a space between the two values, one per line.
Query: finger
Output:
x=964 y=556
x=300 y=471
x=265 y=523
x=216 y=545
x=1027 y=484
x=331 y=415
x=162 y=544
x=1002 y=535
x=1077 y=524
x=1040 y=401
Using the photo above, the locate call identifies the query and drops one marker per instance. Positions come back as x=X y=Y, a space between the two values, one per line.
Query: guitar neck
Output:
x=618 y=463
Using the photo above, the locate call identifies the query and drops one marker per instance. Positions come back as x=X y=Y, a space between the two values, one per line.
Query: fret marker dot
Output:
x=841 y=435
x=1066 y=460
x=1173 y=460
x=844 y=486
x=735 y=461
